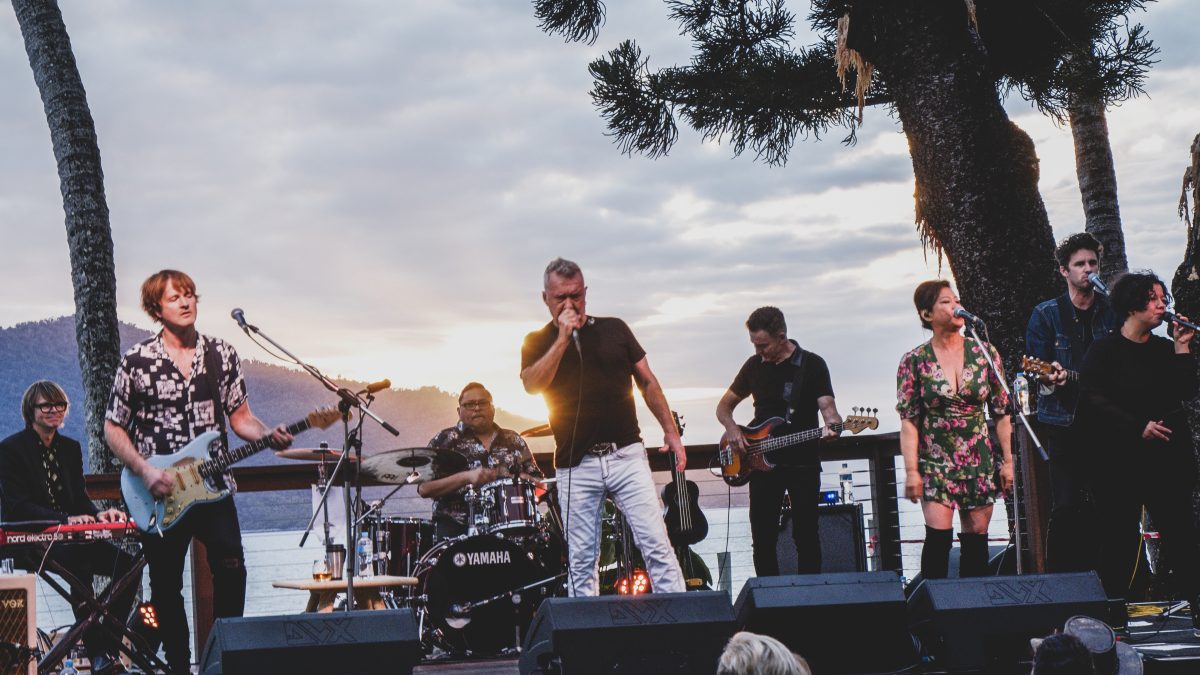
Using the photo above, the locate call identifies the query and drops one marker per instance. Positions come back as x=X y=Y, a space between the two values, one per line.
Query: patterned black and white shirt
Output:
x=508 y=449
x=160 y=408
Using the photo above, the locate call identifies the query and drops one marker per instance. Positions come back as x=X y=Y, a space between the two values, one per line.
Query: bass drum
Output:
x=462 y=571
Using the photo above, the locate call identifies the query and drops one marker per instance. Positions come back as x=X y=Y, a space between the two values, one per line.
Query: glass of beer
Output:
x=321 y=570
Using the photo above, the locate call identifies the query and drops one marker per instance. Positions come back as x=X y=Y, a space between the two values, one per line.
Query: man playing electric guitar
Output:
x=168 y=390
x=788 y=382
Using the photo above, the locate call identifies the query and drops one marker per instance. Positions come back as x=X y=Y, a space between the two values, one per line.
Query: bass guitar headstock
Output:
x=861 y=420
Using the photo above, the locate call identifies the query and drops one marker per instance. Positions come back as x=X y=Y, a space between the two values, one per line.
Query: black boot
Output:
x=973 y=556
x=935 y=555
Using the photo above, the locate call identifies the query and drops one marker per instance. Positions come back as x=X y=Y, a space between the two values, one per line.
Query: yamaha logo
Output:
x=482 y=558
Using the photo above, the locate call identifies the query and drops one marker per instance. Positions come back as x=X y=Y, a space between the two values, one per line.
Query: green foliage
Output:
x=747 y=84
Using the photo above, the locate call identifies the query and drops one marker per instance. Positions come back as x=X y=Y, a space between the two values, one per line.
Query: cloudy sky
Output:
x=379 y=185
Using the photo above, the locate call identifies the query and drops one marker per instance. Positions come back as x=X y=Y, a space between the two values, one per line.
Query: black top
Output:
x=1126 y=384
x=770 y=384
x=606 y=413
x=26 y=491
x=508 y=451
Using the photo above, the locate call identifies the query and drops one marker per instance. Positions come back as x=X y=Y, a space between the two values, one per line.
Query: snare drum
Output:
x=511 y=506
x=399 y=543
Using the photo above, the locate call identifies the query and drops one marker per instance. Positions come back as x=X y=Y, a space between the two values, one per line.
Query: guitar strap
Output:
x=800 y=360
x=212 y=376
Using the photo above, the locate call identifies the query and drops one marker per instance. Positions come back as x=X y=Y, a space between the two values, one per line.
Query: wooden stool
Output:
x=367 y=591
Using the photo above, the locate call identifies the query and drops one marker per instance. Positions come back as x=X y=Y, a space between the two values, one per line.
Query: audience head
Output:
x=753 y=654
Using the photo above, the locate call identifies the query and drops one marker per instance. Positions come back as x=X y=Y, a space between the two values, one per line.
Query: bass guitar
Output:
x=738 y=465
x=686 y=524
x=193 y=470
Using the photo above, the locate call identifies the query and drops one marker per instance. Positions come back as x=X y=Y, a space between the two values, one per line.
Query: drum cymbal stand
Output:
x=348 y=401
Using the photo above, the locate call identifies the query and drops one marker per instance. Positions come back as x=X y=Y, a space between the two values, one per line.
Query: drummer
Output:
x=491 y=453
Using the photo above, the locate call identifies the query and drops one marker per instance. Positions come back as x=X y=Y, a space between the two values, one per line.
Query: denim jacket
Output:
x=1047 y=339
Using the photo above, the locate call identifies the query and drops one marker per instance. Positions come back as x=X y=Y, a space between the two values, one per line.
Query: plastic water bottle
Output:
x=68 y=668
x=1021 y=392
x=364 y=555
x=846 y=479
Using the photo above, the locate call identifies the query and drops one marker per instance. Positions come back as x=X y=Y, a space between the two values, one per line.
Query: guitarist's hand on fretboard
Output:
x=281 y=438
x=830 y=432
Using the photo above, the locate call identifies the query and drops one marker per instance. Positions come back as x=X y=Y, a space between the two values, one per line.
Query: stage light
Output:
x=144 y=623
x=637 y=583
x=147 y=615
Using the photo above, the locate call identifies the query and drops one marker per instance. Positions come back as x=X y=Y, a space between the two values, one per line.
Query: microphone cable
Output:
x=571 y=471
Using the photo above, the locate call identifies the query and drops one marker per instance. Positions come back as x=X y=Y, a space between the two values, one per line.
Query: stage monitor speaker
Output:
x=654 y=633
x=985 y=623
x=843 y=547
x=841 y=623
x=359 y=642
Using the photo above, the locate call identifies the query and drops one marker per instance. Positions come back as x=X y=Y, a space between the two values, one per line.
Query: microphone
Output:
x=1097 y=283
x=962 y=313
x=1170 y=316
x=575 y=337
x=239 y=316
x=377 y=386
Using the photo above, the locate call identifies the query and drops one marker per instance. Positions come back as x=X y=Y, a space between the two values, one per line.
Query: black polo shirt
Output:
x=600 y=387
x=770 y=386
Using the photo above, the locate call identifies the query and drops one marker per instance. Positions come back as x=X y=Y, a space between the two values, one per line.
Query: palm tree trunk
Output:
x=89 y=237
x=1098 y=184
x=1186 y=284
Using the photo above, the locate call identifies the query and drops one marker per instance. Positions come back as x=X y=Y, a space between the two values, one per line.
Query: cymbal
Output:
x=313 y=454
x=538 y=431
x=410 y=465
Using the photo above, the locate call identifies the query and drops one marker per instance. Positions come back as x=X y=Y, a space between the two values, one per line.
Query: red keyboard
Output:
x=71 y=533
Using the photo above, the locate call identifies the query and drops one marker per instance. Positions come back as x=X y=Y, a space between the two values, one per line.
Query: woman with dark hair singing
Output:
x=1134 y=385
x=941 y=389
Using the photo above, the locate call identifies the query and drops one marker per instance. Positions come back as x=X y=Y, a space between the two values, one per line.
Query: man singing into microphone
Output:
x=491 y=452
x=1060 y=331
x=168 y=390
x=585 y=368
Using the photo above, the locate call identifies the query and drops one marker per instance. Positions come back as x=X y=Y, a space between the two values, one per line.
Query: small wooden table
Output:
x=321 y=594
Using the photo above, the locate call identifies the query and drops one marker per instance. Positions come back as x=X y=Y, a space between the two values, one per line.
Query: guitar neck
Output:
x=779 y=442
x=224 y=460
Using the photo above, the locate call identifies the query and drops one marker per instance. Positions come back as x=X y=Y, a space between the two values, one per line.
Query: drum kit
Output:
x=476 y=592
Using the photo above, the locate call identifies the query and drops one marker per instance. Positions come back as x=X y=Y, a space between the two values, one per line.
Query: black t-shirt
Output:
x=770 y=385
x=1084 y=317
x=606 y=412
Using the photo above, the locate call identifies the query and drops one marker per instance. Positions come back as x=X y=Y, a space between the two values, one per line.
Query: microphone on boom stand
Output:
x=1097 y=283
x=964 y=314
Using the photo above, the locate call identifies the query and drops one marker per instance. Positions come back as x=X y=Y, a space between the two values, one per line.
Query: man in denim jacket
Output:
x=1060 y=331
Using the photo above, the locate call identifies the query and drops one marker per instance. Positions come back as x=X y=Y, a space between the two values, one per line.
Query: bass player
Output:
x=168 y=390
x=792 y=383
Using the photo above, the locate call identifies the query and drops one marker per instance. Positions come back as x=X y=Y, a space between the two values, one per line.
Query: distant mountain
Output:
x=47 y=350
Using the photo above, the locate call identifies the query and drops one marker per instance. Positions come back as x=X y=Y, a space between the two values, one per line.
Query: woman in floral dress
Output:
x=941 y=389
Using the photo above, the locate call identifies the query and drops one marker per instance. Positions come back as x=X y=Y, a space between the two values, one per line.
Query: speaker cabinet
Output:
x=841 y=623
x=360 y=642
x=654 y=633
x=985 y=623
x=843 y=545
x=18 y=623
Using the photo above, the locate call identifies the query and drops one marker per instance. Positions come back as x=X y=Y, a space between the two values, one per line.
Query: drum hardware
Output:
x=464 y=610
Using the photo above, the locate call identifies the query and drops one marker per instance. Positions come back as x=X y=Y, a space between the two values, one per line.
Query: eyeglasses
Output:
x=51 y=407
x=476 y=405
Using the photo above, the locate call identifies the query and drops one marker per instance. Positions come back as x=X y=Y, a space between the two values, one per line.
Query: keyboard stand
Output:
x=99 y=613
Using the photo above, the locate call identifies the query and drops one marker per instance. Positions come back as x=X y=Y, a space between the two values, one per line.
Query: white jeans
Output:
x=625 y=476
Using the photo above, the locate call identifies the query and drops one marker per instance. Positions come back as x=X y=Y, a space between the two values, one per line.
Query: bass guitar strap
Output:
x=800 y=360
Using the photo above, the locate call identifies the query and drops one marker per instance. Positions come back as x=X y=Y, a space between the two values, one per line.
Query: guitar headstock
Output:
x=321 y=418
x=862 y=419
x=1036 y=366
x=679 y=425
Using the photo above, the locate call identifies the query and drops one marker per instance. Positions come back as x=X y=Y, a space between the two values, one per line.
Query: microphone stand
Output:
x=348 y=402
x=1020 y=413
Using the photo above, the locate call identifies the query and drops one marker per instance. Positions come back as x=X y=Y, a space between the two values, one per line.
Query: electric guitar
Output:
x=1036 y=366
x=686 y=524
x=192 y=470
x=737 y=465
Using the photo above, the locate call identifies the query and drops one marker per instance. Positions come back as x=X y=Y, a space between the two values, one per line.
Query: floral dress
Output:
x=954 y=452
